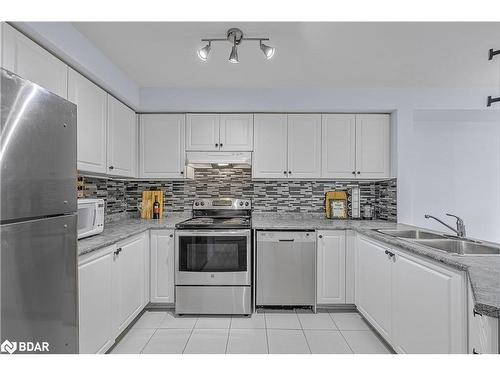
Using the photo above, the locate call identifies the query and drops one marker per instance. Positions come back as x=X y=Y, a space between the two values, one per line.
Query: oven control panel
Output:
x=222 y=204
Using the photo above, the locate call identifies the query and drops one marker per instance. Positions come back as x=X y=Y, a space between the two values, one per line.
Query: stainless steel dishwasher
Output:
x=286 y=269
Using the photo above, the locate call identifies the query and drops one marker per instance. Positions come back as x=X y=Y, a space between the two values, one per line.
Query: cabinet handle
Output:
x=216 y=145
x=320 y=236
x=359 y=172
x=353 y=172
x=476 y=313
x=221 y=145
x=182 y=172
x=474 y=351
x=289 y=172
x=284 y=172
x=111 y=167
x=118 y=251
x=171 y=236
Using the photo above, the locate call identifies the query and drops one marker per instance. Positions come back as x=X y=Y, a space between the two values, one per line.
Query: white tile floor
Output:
x=270 y=331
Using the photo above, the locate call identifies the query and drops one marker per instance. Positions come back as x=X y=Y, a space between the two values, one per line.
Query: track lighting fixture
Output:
x=235 y=37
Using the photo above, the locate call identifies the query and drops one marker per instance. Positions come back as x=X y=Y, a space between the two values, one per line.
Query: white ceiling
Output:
x=318 y=55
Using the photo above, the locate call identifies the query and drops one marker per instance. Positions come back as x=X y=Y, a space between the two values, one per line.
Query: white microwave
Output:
x=90 y=217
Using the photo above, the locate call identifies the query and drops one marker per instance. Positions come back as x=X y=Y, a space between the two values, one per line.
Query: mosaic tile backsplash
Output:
x=267 y=196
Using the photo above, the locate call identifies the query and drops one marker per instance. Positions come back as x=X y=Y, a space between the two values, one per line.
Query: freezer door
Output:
x=39 y=283
x=37 y=151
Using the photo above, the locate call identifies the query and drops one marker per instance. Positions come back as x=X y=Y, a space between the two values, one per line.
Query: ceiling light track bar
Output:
x=225 y=39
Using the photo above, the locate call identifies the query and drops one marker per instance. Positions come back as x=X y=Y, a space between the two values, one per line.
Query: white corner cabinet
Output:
x=417 y=305
x=484 y=332
x=219 y=132
x=162 y=266
x=356 y=146
x=113 y=289
x=287 y=146
x=27 y=59
x=161 y=146
x=331 y=267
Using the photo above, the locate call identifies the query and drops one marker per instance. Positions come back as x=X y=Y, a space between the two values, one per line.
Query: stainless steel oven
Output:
x=213 y=257
x=213 y=253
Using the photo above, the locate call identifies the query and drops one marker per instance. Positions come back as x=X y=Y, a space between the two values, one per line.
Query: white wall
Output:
x=458 y=170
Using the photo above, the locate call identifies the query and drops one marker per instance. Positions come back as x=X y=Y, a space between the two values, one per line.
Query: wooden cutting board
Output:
x=148 y=199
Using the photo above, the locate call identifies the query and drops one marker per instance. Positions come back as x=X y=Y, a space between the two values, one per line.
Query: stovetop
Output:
x=215 y=223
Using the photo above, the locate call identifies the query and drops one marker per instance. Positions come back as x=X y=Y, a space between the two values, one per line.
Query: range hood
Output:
x=218 y=159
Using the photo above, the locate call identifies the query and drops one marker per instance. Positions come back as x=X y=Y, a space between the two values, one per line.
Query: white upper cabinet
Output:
x=304 y=146
x=219 y=132
x=161 y=146
x=122 y=139
x=372 y=146
x=339 y=146
x=236 y=132
x=270 y=146
x=27 y=59
x=202 y=132
x=331 y=266
x=91 y=102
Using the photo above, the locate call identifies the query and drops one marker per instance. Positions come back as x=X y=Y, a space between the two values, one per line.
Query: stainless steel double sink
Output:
x=449 y=244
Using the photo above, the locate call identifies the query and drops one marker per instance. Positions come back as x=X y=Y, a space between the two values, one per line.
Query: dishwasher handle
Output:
x=287 y=240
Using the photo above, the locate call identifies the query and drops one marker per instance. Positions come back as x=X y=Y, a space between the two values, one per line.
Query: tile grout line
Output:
x=156 y=329
x=190 y=334
x=341 y=334
x=228 y=333
x=303 y=333
x=267 y=337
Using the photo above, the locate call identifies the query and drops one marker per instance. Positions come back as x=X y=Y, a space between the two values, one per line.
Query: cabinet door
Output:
x=91 y=102
x=372 y=146
x=162 y=266
x=202 y=132
x=161 y=146
x=128 y=281
x=373 y=285
x=270 y=146
x=27 y=59
x=331 y=267
x=428 y=307
x=304 y=146
x=338 y=146
x=95 y=302
x=483 y=330
x=122 y=139
x=236 y=132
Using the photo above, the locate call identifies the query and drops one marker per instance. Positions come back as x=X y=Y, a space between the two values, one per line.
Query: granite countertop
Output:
x=119 y=230
x=483 y=271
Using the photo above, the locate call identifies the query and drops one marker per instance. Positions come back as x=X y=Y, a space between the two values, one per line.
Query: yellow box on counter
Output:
x=336 y=205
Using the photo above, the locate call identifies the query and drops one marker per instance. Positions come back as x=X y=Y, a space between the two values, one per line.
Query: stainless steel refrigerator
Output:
x=38 y=258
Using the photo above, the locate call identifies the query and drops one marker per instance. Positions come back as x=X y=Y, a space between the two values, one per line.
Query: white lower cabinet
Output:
x=112 y=291
x=128 y=281
x=417 y=305
x=428 y=306
x=484 y=332
x=331 y=267
x=95 y=301
x=162 y=266
x=373 y=285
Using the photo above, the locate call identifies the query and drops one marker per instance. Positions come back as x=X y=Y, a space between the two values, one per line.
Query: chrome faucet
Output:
x=460 y=231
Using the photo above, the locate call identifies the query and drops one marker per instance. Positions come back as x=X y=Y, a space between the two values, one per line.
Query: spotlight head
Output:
x=203 y=52
x=268 y=51
x=233 y=57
